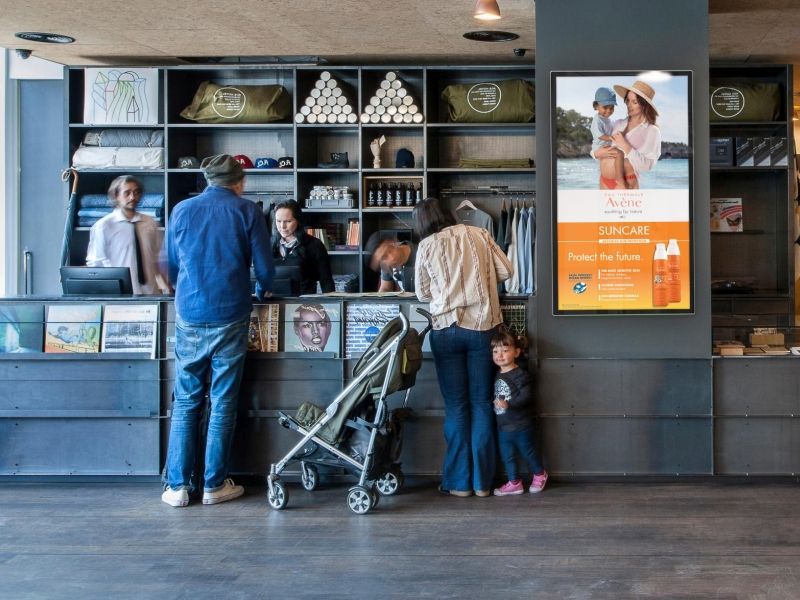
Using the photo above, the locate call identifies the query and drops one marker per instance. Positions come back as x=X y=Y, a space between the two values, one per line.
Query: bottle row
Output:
x=393 y=194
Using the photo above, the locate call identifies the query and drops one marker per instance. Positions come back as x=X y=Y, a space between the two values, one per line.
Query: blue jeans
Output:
x=465 y=371
x=198 y=348
x=522 y=444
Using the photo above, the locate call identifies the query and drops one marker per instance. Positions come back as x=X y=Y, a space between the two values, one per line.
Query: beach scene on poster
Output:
x=622 y=170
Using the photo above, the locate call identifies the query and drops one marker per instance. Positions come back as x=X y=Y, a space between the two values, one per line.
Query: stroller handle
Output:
x=429 y=317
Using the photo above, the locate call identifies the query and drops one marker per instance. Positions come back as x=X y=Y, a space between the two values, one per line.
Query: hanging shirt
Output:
x=522 y=254
x=476 y=218
x=512 y=283
x=530 y=245
x=500 y=237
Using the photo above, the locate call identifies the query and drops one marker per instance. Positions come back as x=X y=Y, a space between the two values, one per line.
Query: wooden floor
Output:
x=575 y=540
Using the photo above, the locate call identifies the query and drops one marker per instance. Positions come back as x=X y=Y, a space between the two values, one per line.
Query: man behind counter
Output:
x=127 y=238
x=213 y=238
x=393 y=259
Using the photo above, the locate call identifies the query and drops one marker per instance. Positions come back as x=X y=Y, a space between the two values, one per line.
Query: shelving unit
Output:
x=435 y=143
x=761 y=255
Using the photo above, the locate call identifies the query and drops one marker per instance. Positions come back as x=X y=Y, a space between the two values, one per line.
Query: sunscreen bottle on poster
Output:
x=660 y=275
x=673 y=271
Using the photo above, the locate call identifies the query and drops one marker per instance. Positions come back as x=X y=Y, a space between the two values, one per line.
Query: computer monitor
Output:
x=96 y=281
x=287 y=280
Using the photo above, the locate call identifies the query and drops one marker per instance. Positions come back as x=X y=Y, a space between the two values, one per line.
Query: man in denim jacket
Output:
x=212 y=240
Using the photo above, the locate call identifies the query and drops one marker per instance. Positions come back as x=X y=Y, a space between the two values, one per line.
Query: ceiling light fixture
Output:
x=491 y=36
x=486 y=10
x=47 y=38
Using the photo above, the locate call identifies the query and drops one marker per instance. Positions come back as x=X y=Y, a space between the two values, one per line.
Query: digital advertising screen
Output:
x=622 y=192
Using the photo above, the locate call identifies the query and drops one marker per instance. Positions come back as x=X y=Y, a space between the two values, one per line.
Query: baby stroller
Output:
x=357 y=431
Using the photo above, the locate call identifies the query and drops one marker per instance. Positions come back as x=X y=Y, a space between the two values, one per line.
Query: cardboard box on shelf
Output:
x=766 y=339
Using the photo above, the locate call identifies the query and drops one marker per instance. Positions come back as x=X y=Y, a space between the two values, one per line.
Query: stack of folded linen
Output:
x=120 y=149
x=93 y=207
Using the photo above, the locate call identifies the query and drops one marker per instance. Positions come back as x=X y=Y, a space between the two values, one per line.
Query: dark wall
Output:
x=623 y=35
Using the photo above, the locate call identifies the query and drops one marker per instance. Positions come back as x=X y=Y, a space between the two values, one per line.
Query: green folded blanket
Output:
x=495 y=163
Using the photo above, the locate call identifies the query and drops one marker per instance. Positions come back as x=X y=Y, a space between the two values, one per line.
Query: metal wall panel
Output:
x=627 y=446
x=623 y=387
x=757 y=386
x=96 y=446
x=757 y=446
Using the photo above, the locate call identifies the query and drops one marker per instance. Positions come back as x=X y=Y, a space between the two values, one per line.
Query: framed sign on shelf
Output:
x=622 y=192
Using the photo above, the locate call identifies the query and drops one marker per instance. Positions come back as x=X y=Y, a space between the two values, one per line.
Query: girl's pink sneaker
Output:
x=538 y=483
x=510 y=488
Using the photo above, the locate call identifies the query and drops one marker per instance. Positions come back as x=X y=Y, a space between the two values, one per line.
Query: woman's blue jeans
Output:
x=465 y=371
x=198 y=349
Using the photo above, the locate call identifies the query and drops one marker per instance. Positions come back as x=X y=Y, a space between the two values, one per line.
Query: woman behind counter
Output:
x=293 y=246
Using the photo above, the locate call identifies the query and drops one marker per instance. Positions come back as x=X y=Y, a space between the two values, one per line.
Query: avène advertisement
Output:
x=622 y=186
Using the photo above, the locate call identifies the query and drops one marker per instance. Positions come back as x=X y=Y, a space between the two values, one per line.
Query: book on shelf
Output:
x=364 y=322
x=264 y=328
x=312 y=327
x=73 y=328
x=726 y=215
x=321 y=234
x=130 y=328
x=21 y=328
x=353 y=232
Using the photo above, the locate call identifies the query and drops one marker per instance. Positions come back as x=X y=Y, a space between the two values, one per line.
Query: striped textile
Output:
x=457 y=271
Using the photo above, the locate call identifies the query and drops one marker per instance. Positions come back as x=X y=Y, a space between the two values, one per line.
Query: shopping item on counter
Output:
x=509 y=101
x=95 y=157
x=142 y=138
x=214 y=103
x=745 y=102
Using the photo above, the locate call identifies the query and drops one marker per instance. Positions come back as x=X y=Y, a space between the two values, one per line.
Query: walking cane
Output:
x=72 y=208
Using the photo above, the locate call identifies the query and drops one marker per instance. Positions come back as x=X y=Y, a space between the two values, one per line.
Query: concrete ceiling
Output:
x=144 y=32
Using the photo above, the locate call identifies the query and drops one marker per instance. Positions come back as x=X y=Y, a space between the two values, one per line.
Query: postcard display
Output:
x=625 y=245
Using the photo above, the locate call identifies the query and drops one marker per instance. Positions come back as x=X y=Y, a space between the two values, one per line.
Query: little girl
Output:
x=512 y=405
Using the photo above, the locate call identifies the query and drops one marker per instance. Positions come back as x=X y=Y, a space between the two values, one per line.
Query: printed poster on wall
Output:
x=312 y=327
x=114 y=96
x=622 y=188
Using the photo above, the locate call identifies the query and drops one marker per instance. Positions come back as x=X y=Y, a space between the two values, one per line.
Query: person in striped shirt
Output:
x=457 y=271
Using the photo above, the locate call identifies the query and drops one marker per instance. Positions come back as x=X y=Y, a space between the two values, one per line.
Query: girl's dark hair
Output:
x=504 y=337
x=293 y=207
x=431 y=216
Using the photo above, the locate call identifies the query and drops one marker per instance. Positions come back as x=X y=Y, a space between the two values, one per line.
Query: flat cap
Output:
x=222 y=170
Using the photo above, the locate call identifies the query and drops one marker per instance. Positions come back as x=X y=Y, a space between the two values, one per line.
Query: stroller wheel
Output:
x=375 y=497
x=278 y=497
x=309 y=477
x=390 y=482
x=359 y=499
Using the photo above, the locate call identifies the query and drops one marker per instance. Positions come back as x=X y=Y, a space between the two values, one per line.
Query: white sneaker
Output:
x=176 y=498
x=227 y=491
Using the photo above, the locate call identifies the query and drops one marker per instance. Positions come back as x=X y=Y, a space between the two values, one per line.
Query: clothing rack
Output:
x=528 y=196
x=496 y=191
